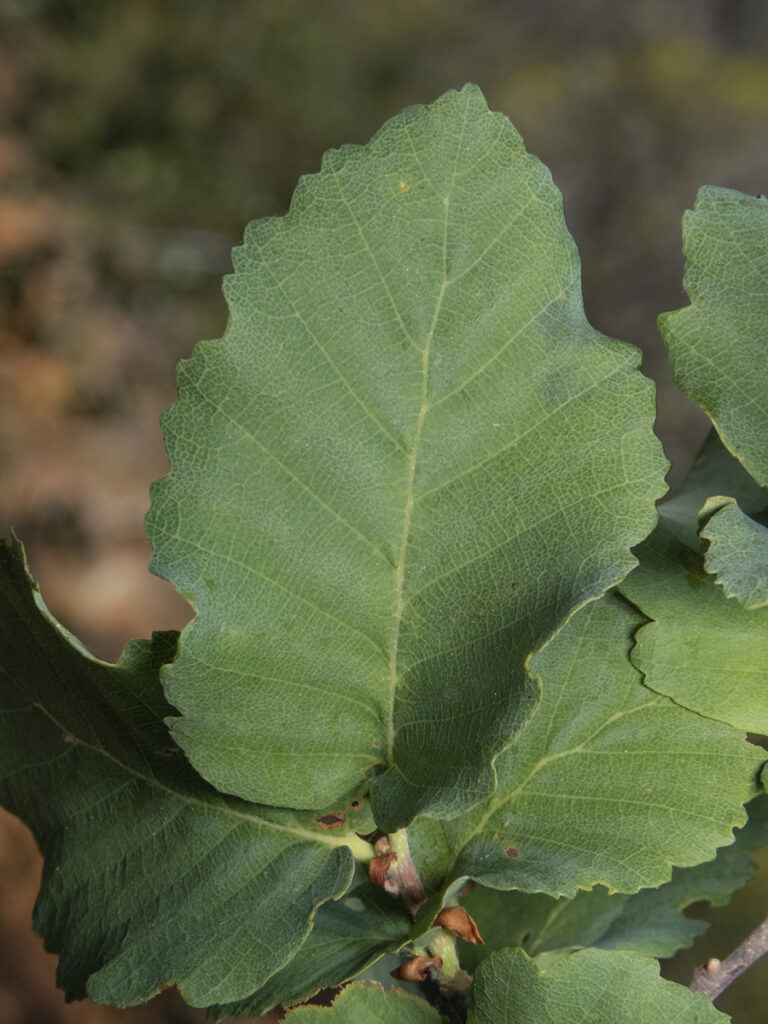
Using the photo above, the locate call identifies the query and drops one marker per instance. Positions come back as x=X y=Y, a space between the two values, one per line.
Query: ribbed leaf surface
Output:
x=593 y=985
x=717 y=344
x=409 y=460
x=151 y=877
x=602 y=749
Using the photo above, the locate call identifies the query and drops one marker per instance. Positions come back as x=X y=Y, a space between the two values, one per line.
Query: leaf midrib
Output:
x=410 y=498
x=413 y=457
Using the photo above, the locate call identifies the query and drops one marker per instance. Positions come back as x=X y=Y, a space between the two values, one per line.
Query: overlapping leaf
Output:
x=649 y=922
x=592 y=985
x=407 y=463
x=347 y=937
x=705 y=650
x=608 y=783
x=738 y=552
x=151 y=877
x=369 y=1004
x=717 y=344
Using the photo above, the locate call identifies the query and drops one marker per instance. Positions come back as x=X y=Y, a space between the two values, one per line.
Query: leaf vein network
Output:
x=410 y=497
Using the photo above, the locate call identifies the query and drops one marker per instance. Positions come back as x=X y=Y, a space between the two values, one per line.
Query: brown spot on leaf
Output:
x=417 y=968
x=333 y=820
x=461 y=923
x=511 y=851
x=355 y=804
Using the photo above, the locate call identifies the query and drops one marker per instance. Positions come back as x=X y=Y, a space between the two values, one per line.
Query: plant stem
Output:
x=717 y=976
x=444 y=946
x=362 y=850
x=409 y=883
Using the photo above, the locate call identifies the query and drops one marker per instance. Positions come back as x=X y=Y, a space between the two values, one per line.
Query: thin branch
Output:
x=718 y=975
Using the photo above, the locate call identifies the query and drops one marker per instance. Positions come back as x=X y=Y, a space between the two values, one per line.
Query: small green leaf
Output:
x=369 y=1004
x=407 y=463
x=738 y=552
x=592 y=985
x=702 y=649
x=714 y=471
x=717 y=344
x=151 y=877
x=601 y=750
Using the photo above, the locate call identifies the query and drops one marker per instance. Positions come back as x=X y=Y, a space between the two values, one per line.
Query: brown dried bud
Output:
x=378 y=868
x=461 y=923
x=417 y=968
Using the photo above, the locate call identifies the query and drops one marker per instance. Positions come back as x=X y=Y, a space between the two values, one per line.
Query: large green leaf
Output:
x=409 y=460
x=651 y=921
x=706 y=651
x=717 y=344
x=593 y=985
x=369 y=1004
x=608 y=783
x=151 y=877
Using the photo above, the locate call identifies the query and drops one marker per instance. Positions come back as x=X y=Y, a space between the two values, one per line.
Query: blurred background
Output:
x=136 y=141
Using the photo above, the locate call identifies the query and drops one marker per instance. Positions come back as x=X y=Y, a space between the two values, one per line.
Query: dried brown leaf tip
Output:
x=417 y=968
x=461 y=923
x=378 y=868
x=333 y=820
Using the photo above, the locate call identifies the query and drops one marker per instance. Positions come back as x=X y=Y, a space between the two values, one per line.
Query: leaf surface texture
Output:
x=151 y=877
x=650 y=921
x=609 y=783
x=407 y=463
x=369 y=1004
x=703 y=649
x=592 y=985
x=717 y=344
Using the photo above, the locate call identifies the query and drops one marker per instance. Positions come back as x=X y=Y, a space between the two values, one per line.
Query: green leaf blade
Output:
x=593 y=756
x=347 y=937
x=392 y=476
x=717 y=344
x=650 y=921
x=592 y=985
x=737 y=555
x=705 y=650
x=151 y=877
x=371 y=1004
